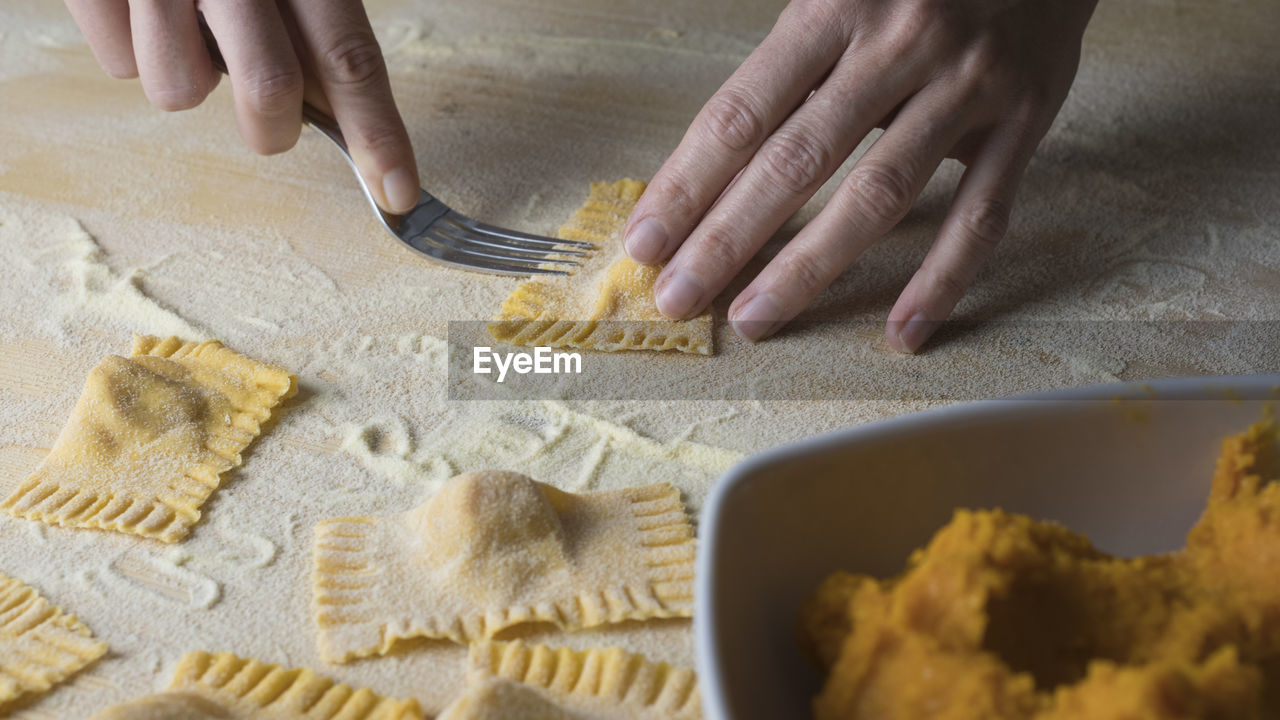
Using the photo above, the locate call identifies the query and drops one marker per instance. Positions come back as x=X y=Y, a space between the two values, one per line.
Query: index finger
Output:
x=105 y=24
x=346 y=60
x=771 y=83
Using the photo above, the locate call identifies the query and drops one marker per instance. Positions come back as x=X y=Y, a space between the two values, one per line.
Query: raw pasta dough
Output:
x=495 y=549
x=39 y=645
x=517 y=680
x=222 y=686
x=150 y=436
x=607 y=304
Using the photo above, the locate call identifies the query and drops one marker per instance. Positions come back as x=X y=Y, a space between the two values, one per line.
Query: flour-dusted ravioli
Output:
x=222 y=686
x=495 y=549
x=519 y=680
x=149 y=438
x=40 y=646
x=607 y=303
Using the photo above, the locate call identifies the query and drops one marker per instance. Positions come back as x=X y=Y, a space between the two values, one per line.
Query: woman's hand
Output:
x=276 y=52
x=978 y=80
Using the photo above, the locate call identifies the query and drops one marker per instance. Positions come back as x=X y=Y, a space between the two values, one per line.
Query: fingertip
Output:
x=119 y=68
x=907 y=337
x=383 y=152
x=758 y=318
x=280 y=141
x=267 y=137
x=646 y=242
x=680 y=296
x=105 y=24
x=207 y=83
x=400 y=190
x=175 y=98
x=891 y=331
x=174 y=91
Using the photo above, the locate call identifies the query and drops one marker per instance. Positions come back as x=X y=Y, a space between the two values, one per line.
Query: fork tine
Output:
x=470 y=236
x=491 y=253
x=499 y=268
x=461 y=220
x=491 y=266
x=461 y=258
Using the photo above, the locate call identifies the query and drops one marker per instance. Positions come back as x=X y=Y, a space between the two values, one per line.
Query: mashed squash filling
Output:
x=1001 y=617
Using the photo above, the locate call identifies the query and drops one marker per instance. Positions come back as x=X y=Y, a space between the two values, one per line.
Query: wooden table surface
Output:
x=1153 y=198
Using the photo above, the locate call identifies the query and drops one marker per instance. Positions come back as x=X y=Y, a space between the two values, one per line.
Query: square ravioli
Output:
x=149 y=438
x=222 y=686
x=607 y=303
x=492 y=550
x=40 y=646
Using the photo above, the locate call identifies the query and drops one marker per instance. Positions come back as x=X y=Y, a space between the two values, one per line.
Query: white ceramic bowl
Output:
x=1128 y=465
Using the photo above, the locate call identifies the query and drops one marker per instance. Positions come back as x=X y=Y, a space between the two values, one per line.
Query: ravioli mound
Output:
x=493 y=550
x=1001 y=617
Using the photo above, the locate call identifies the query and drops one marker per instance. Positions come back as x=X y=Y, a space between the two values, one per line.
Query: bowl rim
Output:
x=1263 y=386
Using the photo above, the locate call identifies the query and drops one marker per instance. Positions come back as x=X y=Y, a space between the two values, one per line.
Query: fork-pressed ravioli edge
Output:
x=604 y=682
x=42 y=645
x=607 y=304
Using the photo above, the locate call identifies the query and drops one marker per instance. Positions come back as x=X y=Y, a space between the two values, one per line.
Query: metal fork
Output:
x=439 y=232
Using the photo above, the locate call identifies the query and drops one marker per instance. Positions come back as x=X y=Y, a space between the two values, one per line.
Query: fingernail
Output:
x=757 y=318
x=646 y=241
x=400 y=190
x=914 y=332
x=679 y=296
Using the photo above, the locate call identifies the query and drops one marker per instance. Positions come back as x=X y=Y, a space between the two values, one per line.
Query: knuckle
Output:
x=914 y=24
x=986 y=75
x=881 y=192
x=983 y=225
x=676 y=197
x=983 y=58
x=732 y=119
x=272 y=92
x=1029 y=116
x=796 y=160
x=808 y=272
x=353 y=59
x=948 y=283
x=917 y=17
x=380 y=138
x=719 y=249
x=817 y=17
